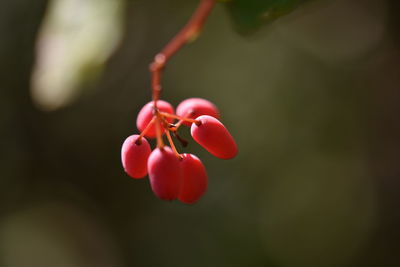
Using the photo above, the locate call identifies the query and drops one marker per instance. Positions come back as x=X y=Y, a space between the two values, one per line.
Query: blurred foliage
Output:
x=248 y=15
x=75 y=40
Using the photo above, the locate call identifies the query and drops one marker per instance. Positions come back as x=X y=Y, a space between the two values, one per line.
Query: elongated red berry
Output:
x=134 y=155
x=194 y=107
x=146 y=114
x=165 y=173
x=194 y=182
x=214 y=137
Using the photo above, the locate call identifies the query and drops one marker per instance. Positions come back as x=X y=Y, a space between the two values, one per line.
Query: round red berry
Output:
x=146 y=115
x=211 y=134
x=134 y=155
x=193 y=107
x=165 y=173
x=194 y=182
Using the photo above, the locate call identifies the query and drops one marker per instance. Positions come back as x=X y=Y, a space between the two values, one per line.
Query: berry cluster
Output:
x=173 y=175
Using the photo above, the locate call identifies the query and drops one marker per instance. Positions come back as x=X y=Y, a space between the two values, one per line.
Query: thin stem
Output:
x=172 y=144
x=156 y=86
x=168 y=115
x=177 y=125
x=183 y=142
x=160 y=143
x=189 y=32
x=147 y=128
x=164 y=121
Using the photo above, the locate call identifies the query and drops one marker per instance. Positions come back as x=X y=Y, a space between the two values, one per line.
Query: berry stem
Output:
x=147 y=128
x=160 y=142
x=188 y=33
x=172 y=144
x=177 y=125
x=179 y=117
x=183 y=142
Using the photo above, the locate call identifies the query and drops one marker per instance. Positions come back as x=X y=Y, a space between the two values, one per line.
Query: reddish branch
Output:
x=188 y=33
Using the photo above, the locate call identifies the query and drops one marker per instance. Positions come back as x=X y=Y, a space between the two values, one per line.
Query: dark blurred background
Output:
x=312 y=100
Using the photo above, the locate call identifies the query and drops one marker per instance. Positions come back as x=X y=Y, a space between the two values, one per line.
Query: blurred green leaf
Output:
x=248 y=15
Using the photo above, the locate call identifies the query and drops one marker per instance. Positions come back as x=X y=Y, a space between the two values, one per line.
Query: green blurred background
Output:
x=312 y=100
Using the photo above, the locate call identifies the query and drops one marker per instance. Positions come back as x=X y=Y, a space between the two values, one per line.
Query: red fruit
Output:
x=194 y=182
x=193 y=107
x=134 y=156
x=146 y=114
x=165 y=173
x=214 y=137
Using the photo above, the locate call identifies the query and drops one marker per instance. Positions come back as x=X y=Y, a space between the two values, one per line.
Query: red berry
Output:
x=194 y=182
x=214 y=137
x=165 y=173
x=134 y=155
x=193 y=107
x=146 y=114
